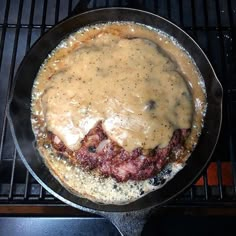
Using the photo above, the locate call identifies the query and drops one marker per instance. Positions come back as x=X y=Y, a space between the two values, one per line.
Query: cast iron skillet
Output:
x=129 y=218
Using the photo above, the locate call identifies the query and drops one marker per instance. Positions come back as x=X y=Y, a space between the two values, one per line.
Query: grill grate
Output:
x=211 y=23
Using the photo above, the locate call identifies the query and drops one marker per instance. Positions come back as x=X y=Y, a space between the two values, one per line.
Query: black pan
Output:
x=129 y=218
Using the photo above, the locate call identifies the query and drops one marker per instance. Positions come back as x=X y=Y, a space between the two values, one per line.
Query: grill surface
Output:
x=211 y=23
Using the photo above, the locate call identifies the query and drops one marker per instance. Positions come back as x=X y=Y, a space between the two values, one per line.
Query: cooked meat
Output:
x=98 y=152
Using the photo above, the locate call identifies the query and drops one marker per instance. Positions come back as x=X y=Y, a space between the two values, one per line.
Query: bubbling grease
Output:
x=139 y=82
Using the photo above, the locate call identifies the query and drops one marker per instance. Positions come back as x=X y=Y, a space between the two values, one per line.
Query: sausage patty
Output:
x=99 y=152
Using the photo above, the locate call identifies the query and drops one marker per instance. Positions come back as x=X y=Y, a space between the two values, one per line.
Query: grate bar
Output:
x=41 y=192
x=222 y=51
x=229 y=5
x=80 y=7
x=193 y=17
x=28 y=43
x=181 y=19
x=206 y=23
x=219 y=177
x=57 y=11
x=206 y=16
x=26 y=185
x=191 y=193
x=43 y=26
x=205 y=183
x=156 y=5
x=168 y=9
x=94 y=4
x=12 y=175
x=70 y=7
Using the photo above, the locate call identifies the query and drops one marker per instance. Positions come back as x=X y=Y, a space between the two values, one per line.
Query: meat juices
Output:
x=127 y=110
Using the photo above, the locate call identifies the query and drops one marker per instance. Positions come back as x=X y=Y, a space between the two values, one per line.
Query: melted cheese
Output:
x=128 y=84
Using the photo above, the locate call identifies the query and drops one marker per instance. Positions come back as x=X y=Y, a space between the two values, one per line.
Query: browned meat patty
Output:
x=98 y=152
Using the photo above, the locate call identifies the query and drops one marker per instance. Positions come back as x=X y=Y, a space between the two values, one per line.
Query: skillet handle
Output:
x=129 y=223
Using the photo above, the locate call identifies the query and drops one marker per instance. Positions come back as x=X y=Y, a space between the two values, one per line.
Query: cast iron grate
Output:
x=211 y=23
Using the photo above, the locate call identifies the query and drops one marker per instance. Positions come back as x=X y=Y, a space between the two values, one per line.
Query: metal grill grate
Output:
x=211 y=23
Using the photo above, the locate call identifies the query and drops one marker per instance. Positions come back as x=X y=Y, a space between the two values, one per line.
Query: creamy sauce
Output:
x=129 y=85
x=133 y=79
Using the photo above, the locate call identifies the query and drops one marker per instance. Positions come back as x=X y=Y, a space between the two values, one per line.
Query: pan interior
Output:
x=20 y=108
